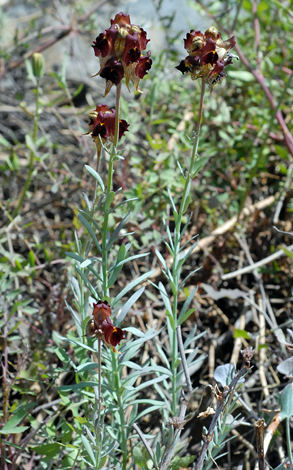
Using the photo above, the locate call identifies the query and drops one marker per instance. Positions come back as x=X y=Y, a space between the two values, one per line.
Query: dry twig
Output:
x=260 y=430
x=221 y=402
x=260 y=263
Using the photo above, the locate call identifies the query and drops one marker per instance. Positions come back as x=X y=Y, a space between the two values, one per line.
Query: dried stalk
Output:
x=221 y=403
x=260 y=263
x=260 y=431
x=178 y=423
x=145 y=443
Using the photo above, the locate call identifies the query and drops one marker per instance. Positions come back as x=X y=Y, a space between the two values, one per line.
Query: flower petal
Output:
x=112 y=335
x=113 y=71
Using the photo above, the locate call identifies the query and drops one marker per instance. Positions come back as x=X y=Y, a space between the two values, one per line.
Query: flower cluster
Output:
x=119 y=49
x=102 y=125
x=102 y=327
x=208 y=55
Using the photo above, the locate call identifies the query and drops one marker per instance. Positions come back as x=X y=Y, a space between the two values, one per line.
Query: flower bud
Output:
x=38 y=64
x=101 y=312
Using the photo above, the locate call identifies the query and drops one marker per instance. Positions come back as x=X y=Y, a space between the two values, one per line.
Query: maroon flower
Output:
x=208 y=55
x=112 y=335
x=102 y=125
x=102 y=327
x=119 y=49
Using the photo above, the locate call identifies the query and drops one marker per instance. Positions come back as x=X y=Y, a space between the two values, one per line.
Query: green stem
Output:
x=189 y=177
x=109 y=189
x=289 y=441
x=193 y=157
x=121 y=410
x=174 y=368
x=100 y=376
x=32 y=154
x=98 y=435
x=105 y=231
x=177 y=238
x=117 y=112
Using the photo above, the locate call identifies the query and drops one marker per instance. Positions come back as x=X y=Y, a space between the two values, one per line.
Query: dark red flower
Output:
x=208 y=55
x=102 y=327
x=102 y=125
x=112 y=335
x=119 y=49
x=113 y=72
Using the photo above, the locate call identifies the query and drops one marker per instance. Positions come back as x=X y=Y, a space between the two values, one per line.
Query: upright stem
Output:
x=109 y=189
x=194 y=153
x=190 y=171
x=176 y=272
x=99 y=428
x=117 y=112
x=121 y=410
x=6 y=388
x=289 y=441
x=100 y=376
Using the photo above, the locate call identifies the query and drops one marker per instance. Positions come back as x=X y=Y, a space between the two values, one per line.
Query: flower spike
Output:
x=119 y=49
x=208 y=55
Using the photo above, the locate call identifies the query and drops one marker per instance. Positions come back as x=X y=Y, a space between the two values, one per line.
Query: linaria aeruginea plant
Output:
x=99 y=260
x=98 y=265
x=208 y=55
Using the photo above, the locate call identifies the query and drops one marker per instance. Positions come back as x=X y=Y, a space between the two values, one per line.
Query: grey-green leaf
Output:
x=127 y=306
x=96 y=176
x=286 y=401
x=131 y=285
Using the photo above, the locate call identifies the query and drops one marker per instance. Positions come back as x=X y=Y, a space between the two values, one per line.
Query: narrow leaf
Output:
x=127 y=306
x=114 y=235
x=161 y=259
x=94 y=293
x=115 y=270
x=172 y=202
x=90 y=218
x=96 y=176
x=75 y=256
x=131 y=258
x=131 y=285
x=88 y=448
x=185 y=316
x=123 y=202
x=165 y=297
x=90 y=231
x=150 y=382
x=187 y=277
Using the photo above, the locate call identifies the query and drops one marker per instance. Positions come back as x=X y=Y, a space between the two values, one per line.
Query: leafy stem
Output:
x=289 y=440
x=109 y=189
x=177 y=239
x=121 y=409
